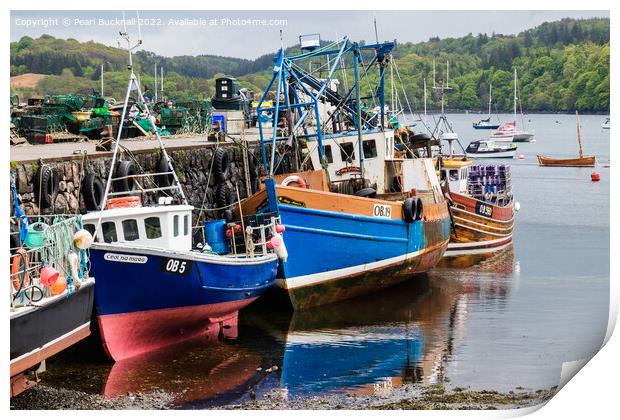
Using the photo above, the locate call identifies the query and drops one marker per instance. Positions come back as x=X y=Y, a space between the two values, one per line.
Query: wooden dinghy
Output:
x=581 y=161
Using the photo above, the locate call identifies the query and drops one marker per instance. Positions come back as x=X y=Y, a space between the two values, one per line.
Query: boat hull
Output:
x=485 y=127
x=337 y=251
x=523 y=137
x=142 y=307
x=586 y=161
x=480 y=230
x=503 y=154
x=43 y=331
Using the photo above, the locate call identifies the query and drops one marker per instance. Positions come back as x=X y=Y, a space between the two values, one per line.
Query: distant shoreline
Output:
x=482 y=113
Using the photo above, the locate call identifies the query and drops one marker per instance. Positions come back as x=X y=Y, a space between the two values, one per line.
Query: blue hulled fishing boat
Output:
x=157 y=287
x=359 y=215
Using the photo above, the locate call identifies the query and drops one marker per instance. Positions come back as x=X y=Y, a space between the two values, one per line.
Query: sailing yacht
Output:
x=509 y=131
x=486 y=123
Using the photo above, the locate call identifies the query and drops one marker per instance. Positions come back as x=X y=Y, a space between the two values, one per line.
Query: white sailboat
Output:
x=509 y=131
x=486 y=123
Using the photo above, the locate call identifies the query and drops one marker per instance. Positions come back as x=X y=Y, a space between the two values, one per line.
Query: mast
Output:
x=356 y=54
x=490 y=96
x=161 y=79
x=134 y=84
x=424 y=100
x=101 y=79
x=514 y=106
x=579 y=134
x=155 y=81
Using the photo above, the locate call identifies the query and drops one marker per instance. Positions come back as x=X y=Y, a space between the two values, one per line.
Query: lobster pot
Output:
x=42 y=123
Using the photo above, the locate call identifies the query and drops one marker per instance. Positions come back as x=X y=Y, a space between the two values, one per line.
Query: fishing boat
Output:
x=482 y=208
x=581 y=161
x=490 y=149
x=51 y=292
x=486 y=123
x=359 y=216
x=158 y=288
x=508 y=131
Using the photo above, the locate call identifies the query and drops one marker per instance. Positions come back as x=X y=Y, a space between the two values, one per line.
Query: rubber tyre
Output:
x=222 y=165
x=410 y=209
x=419 y=209
x=163 y=180
x=223 y=195
x=92 y=191
x=124 y=168
x=254 y=169
x=45 y=186
x=366 y=192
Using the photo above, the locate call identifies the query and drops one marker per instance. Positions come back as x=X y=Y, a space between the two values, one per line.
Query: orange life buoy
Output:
x=296 y=179
x=114 y=203
x=19 y=268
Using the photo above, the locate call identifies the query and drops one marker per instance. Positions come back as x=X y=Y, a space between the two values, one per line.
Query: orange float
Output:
x=19 y=267
x=119 y=202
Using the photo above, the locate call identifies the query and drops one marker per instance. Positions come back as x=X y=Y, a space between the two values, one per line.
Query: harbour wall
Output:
x=192 y=165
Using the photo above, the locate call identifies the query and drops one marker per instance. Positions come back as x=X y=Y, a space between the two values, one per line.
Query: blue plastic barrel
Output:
x=215 y=235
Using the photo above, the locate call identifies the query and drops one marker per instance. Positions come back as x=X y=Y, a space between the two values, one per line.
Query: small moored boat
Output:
x=489 y=149
x=486 y=123
x=581 y=161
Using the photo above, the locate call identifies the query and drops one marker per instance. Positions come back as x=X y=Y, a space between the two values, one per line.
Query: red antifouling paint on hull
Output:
x=131 y=334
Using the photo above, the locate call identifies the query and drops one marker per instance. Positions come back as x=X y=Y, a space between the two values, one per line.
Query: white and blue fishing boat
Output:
x=156 y=287
x=359 y=216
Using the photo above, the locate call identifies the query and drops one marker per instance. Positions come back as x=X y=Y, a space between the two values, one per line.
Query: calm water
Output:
x=511 y=323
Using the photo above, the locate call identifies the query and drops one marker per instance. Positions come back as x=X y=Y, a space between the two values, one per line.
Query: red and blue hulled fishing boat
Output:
x=359 y=216
x=483 y=209
x=156 y=287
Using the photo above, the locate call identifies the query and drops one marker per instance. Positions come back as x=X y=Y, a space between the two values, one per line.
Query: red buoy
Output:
x=595 y=176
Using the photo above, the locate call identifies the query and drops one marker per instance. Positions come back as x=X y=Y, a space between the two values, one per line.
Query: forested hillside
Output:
x=562 y=66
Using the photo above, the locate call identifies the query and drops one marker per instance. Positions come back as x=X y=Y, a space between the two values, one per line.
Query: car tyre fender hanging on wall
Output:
x=222 y=165
x=125 y=169
x=254 y=169
x=223 y=196
x=45 y=186
x=92 y=191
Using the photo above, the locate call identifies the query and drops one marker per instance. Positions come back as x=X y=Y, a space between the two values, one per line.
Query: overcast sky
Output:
x=171 y=33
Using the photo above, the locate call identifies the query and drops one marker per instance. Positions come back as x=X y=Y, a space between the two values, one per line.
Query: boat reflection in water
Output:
x=407 y=334
x=212 y=369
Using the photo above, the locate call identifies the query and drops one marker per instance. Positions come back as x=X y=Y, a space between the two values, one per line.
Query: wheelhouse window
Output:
x=109 y=232
x=347 y=153
x=327 y=149
x=152 y=227
x=370 y=149
x=130 y=230
x=175 y=225
x=90 y=228
x=454 y=174
x=186 y=225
